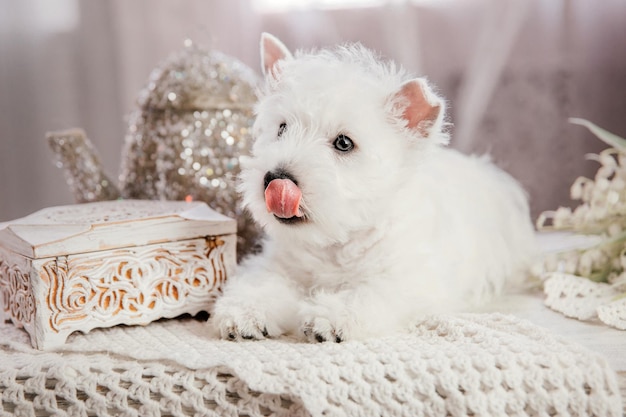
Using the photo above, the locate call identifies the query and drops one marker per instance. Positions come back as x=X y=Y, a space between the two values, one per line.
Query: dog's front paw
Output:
x=320 y=330
x=237 y=321
x=327 y=318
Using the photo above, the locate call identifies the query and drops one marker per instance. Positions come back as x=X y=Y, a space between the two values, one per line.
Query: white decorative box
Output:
x=74 y=268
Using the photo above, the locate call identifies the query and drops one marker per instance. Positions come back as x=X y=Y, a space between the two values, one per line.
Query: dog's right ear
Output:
x=272 y=51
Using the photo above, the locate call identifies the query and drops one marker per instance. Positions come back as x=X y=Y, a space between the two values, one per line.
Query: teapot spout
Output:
x=78 y=158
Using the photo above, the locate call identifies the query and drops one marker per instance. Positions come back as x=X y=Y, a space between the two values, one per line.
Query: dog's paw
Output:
x=239 y=322
x=328 y=317
x=322 y=330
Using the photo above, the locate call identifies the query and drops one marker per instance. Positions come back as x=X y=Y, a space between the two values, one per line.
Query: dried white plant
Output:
x=602 y=213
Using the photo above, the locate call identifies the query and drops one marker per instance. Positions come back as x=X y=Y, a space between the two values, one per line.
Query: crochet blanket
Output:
x=470 y=364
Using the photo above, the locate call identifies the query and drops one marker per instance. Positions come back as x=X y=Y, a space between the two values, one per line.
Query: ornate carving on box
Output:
x=131 y=285
x=79 y=267
x=18 y=302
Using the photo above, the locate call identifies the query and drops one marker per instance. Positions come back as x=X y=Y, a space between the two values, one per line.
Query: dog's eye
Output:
x=343 y=143
x=281 y=129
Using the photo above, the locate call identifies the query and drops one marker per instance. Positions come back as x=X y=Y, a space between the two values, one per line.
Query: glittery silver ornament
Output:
x=186 y=137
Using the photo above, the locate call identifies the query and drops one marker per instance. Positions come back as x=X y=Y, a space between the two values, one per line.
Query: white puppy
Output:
x=371 y=222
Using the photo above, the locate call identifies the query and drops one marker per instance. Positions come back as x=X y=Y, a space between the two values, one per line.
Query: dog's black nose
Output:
x=276 y=175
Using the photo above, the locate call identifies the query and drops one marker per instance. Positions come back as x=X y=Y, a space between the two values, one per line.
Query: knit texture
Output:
x=584 y=299
x=473 y=364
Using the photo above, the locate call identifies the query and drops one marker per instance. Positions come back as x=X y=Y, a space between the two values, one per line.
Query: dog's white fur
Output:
x=399 y=227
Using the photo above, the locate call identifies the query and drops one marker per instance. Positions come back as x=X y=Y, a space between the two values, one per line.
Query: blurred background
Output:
x=513 y=72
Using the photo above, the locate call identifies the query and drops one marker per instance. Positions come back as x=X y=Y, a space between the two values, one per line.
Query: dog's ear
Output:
x=421 y=109
x=272 y=51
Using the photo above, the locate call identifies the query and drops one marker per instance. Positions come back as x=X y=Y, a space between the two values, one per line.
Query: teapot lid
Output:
x=198 y=79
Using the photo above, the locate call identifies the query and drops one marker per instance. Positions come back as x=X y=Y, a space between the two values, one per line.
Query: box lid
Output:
x=90 y=227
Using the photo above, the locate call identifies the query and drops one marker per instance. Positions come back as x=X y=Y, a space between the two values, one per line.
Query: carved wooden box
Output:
x=78 y=267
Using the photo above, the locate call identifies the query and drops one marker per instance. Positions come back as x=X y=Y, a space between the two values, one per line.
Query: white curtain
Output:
x=513 y=71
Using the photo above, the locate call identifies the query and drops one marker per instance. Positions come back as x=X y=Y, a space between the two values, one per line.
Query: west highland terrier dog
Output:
x=371 y=221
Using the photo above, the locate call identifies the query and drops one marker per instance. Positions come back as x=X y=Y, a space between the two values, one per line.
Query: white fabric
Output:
x=480 y=364
x=584 y=299
x=578 y=297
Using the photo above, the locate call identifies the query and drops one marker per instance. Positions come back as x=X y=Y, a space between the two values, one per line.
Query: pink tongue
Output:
x=282 y=198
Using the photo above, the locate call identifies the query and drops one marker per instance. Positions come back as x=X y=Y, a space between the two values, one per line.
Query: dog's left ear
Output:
x=420 y=108
x=272 y=51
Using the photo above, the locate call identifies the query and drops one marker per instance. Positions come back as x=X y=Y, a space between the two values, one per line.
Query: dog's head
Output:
x=336 y=131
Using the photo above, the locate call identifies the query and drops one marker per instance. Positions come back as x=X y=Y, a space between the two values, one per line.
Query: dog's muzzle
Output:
x=283 y=196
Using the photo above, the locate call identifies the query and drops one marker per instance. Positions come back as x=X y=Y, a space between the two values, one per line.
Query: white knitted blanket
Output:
x=472 y=364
